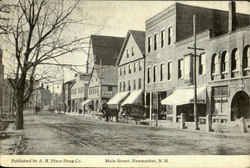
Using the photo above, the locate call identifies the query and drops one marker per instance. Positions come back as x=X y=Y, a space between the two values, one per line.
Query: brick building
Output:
x=130 y=64
x=168 y=84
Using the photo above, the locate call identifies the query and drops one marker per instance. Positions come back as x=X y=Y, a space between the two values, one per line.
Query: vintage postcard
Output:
x=124 y=83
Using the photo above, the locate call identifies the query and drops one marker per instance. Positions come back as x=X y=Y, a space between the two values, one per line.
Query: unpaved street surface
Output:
x=50 y=133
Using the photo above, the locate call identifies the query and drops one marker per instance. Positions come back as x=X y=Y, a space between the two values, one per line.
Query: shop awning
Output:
x=88 y=101
x=133 y=97
x=118 y=97
x=185 y=96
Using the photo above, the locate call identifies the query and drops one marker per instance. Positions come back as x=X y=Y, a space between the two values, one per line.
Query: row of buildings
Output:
x=147 y=73
x=154 y=68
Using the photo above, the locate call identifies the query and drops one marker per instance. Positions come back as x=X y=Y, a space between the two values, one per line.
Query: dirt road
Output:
x=50 y=133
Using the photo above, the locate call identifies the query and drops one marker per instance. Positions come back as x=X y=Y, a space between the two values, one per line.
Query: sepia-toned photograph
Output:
x=128 y=83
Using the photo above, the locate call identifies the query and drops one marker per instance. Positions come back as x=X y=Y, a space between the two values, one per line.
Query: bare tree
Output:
x=39 y=35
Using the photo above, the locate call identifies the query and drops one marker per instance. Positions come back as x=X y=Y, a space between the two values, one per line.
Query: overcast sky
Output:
x=115 y=18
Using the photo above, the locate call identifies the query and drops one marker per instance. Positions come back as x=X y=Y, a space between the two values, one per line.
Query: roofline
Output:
x=106 y=36
x=124 y=44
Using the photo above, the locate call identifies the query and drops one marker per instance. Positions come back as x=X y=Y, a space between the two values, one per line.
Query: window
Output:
x=169 y=70
x=134 y=66
x=129 y=86
x=187 y=67
x=140 y=65
x=129 y=69
x=120 y=71
x=161 y=72
x=109 y=88
x=139 y=83
x=180 y=68
x=124 y=86
x=154 y=73
x=149 y=44
x=163 y=38
x=224 y=62
x=120 y=86
x=214 y=66
x=155 y=41
x=170 y=33
x=246 y=59
x=235 y=59
x=202 y=60
x=134 y=84
x=124 y=70
x=127 y=53
x=149 y=75
x=132 y=51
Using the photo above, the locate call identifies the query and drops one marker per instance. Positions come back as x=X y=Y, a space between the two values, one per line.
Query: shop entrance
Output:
x=240 y=106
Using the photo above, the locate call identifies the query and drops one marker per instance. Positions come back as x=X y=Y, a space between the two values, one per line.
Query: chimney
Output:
x=232 y=17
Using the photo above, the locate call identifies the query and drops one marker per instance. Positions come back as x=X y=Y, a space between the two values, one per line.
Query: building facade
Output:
x=67 y=95
x=79 y=91
x=130 y=63
x=8 y=98
x=169 y=66
x=102 y=85
x=1 y=80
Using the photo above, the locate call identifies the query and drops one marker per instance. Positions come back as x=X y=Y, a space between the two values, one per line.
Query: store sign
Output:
x=107 y=93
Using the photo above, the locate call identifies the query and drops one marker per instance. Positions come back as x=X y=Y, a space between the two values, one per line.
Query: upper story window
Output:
x=224 y=62
x=134 y=66
x=235 y=59
x=140 y=65
x=124 y=86
x=170 y=34
x=180 y=68
x=120 y=69
x=125 y=69
x=154 y=73
x=129 y=69
x=202 y=64
x=149 y=75
x=139 y=83
x=214 y=65
x=149 y=44
x=120 y=86
x=161 y=72
x=134 y=84
x=169 y=70
x=246 y=59
x=155 y=41
x=127 y=53
x=132 y=51
x=215 y=61
x=163 y=38
x=129 y=86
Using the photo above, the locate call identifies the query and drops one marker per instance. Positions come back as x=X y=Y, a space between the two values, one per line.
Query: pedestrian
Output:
x=36 y=109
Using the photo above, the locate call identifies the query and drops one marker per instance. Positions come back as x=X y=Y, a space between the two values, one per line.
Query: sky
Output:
x=115 y=18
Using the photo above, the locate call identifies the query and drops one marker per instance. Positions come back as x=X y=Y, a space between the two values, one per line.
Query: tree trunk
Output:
x=19 y=116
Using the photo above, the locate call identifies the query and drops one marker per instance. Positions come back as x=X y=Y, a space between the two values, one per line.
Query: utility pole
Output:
x=194 y=73
x=100 y=81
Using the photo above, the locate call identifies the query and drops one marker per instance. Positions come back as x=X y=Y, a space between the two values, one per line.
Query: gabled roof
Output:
x=139 y=37
x=107 y=74
x=106 y=48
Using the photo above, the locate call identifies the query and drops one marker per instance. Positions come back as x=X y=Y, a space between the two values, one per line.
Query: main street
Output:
x=50 y=133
